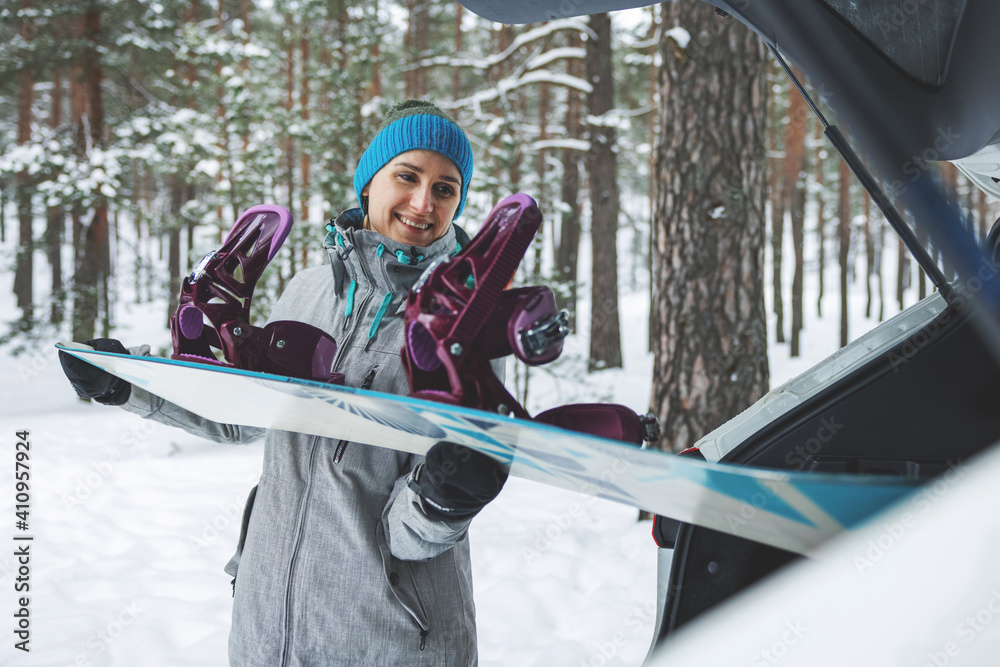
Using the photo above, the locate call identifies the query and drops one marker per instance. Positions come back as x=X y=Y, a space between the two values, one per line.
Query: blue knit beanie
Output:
x=413 y=125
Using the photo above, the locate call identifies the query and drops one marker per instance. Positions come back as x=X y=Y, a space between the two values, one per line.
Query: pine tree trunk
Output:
x=325 y=63
x=148 y=188
x=880 y=236
x=605 y=338
x=844 y=211
x=24 y=263
x=820 y=217
x=456 y=73
x=568 y=248
x=423 y=45
x=869 y=256
x=949 y=180
x=290 y=161
x=793 y=193
x=375 y=85
x=516 y=100
x=710 y=350
x=778 y=202
x=177 y=191
x=503 y=41
x=419 y=43
x=408 y=49
x=654 y=23
x=798 y=276
x=190 y=14
x=138 y=198
x=902 y=268
x=777 y=220
x=177 y=201
x=55 y=222
x=969 y=206
x=245 y=63
x=984 y=224
x=220 y=112
x=921 y=276
x=90 y=274
x=305 y=159
x=105 y=295
x=77 y=109
x=173 y=270
x=542 y=194
x=245 y=6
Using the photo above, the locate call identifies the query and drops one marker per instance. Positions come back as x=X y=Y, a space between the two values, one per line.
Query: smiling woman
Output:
x=416 y=125
x=353 y=555
x=414 y=198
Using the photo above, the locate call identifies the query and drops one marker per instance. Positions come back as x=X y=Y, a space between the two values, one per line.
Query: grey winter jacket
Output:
x=337 y=563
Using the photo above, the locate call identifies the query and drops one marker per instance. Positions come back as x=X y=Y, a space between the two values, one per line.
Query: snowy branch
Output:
x=572 y=144
x=492 y=60
x=504 y=86
x=617 y=118
x=553 y=55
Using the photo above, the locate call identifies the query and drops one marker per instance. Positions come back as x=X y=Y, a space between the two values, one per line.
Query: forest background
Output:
x=133 y=134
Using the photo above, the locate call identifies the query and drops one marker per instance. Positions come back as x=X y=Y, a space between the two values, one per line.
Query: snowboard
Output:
x=789 y=510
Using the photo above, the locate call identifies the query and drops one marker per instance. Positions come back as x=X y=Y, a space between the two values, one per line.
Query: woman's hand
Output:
x=455 y=482
x=89 y=381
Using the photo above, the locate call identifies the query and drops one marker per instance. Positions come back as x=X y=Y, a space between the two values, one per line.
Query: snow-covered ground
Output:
x=133 y=521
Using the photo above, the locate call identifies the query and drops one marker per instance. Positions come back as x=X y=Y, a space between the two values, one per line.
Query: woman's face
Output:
x=414 y=198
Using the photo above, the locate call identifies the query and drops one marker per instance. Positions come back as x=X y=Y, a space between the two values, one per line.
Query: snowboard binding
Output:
x=459 y=316
x=212 y=318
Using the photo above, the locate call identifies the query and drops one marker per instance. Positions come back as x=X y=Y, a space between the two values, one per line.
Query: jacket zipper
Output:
x=424 y=630
x=388 y=281
x=244 y=527
x=365 y=384
x=358 y=309
x=303 y=509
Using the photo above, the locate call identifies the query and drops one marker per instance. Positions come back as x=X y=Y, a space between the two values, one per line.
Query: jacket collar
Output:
x=348 y=244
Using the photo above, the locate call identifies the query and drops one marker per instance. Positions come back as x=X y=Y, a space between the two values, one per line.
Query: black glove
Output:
x=93 y=382
x=455 y=482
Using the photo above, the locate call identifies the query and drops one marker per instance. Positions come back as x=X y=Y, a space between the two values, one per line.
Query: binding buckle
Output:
x=545 y=334
x=202 y=266
x=650 y=427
